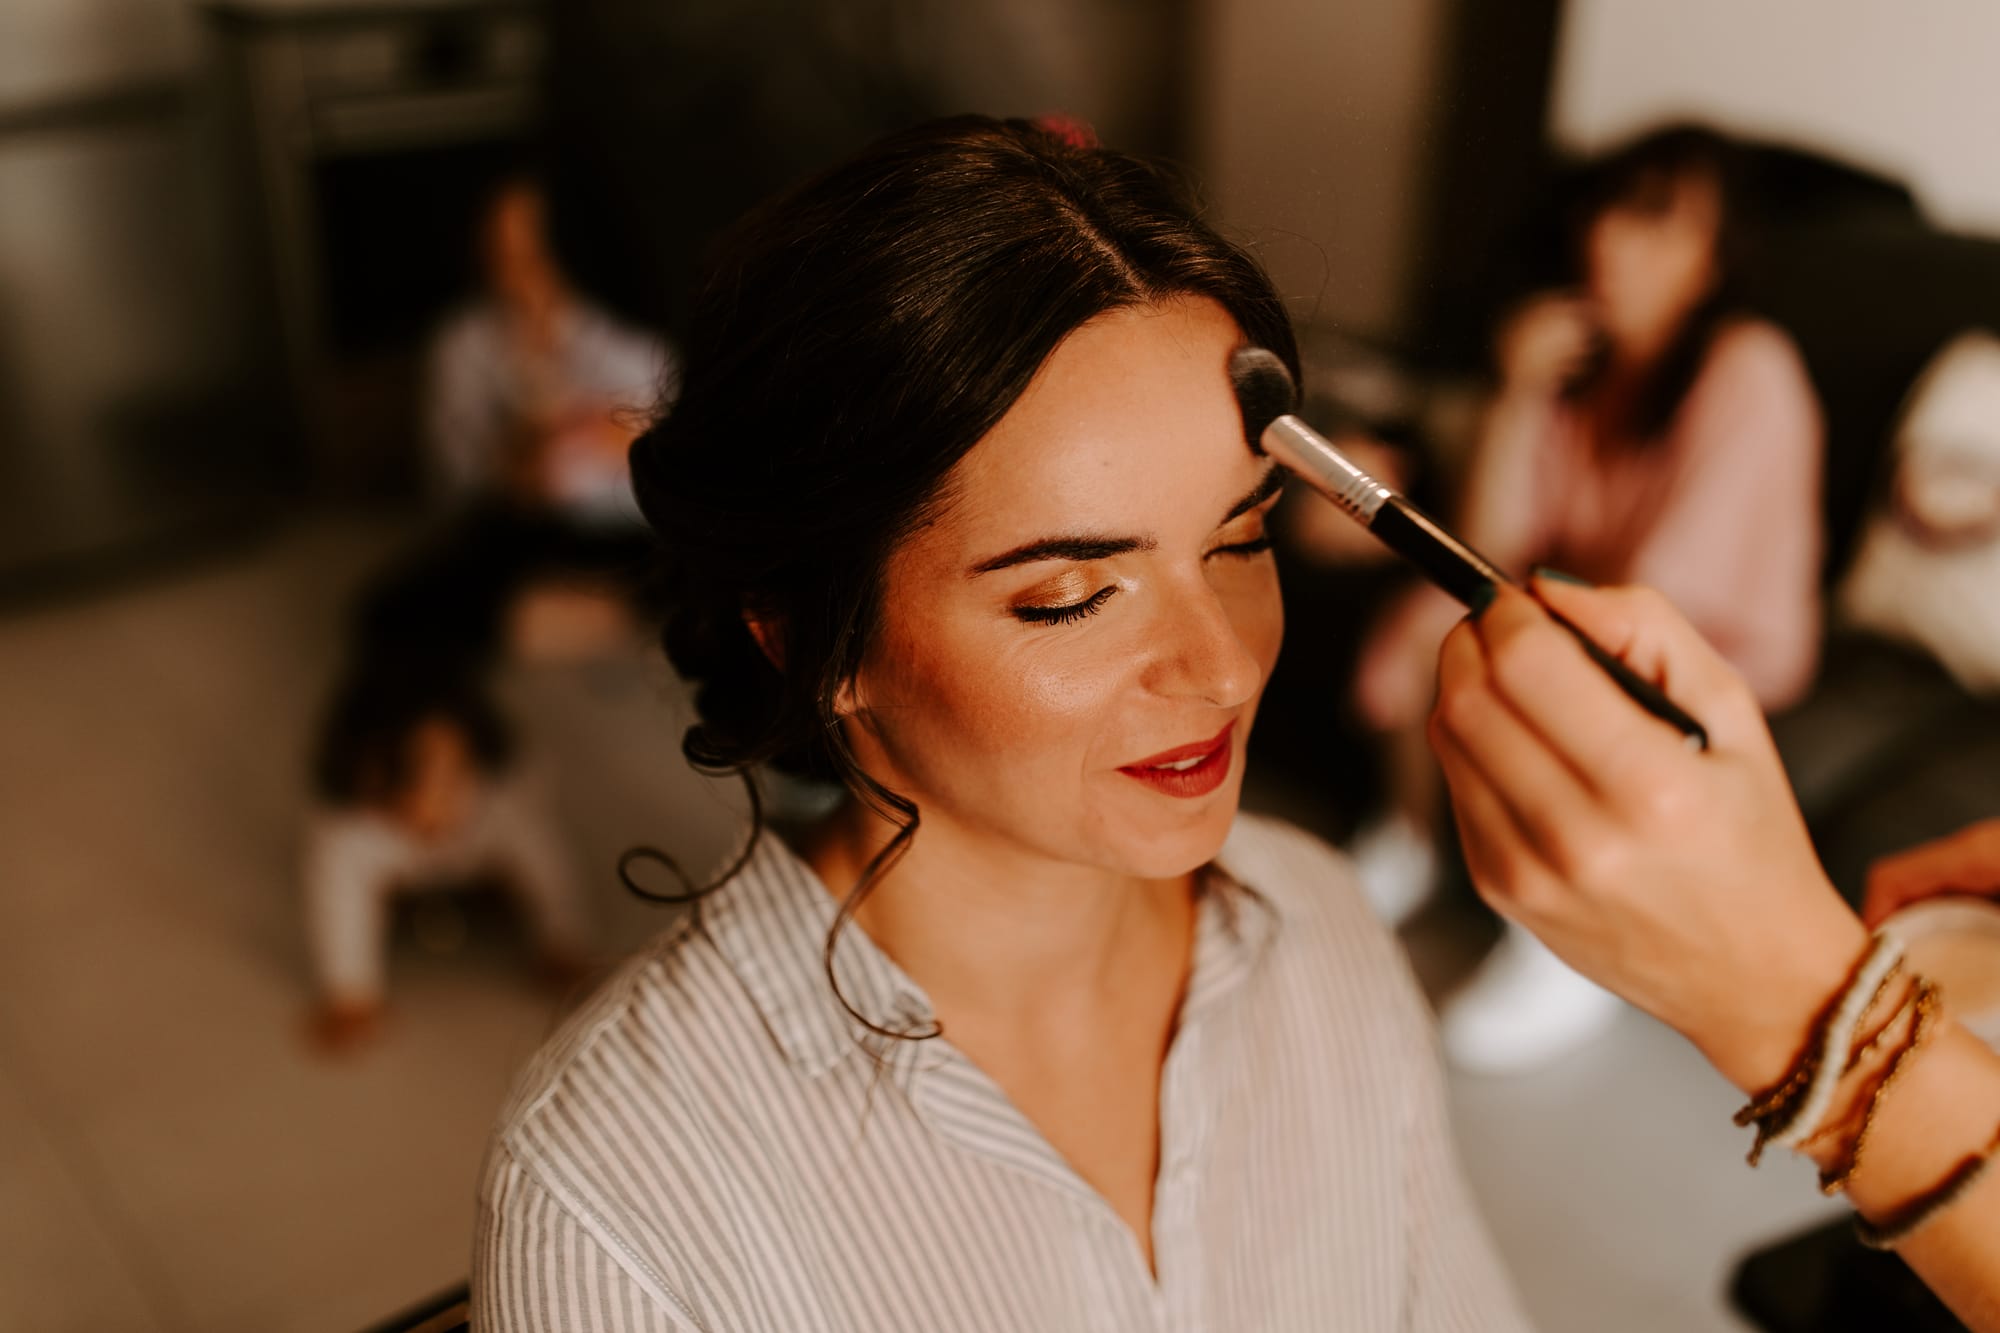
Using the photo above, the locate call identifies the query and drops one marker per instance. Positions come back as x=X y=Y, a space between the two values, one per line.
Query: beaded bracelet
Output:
x=1925 y=1208
x=1838 y=1041
x=1871 y=1046
x=1790 y=1111
x=1929 y=1005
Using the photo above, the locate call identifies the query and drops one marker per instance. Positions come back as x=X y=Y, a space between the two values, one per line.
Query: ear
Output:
x=769 y=632
x=847 y=699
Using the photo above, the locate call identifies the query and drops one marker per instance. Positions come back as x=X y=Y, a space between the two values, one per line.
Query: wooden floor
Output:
x=174 y=1159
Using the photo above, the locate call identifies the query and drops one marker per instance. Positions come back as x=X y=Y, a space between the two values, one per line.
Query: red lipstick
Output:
x=1186 y=771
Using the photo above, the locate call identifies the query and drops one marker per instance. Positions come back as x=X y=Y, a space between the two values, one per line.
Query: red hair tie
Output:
x=1067 y=128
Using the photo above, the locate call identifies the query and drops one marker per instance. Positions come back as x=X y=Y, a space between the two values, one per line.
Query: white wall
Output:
x=1911 y=88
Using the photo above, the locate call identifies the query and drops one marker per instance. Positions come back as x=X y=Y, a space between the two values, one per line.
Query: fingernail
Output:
x=1557 y=576
x=1482 y=597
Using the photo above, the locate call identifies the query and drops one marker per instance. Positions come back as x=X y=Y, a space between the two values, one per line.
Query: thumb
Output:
x=1645 y=631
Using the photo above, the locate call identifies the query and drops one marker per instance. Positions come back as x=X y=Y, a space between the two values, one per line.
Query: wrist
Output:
x=1756 y=1042
x=1899 y=1020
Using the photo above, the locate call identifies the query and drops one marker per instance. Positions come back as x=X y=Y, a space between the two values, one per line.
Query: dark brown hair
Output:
x=850 y=343
x=1643 y=174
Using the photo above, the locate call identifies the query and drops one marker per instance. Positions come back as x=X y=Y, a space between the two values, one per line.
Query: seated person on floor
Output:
x=416 y=793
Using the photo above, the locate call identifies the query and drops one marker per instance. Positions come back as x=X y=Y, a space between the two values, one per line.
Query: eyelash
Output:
x=1091 y=605
x=1065 y=615
x=1255 y=546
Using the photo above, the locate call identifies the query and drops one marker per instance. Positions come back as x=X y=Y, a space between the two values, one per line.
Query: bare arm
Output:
x=1686 y=883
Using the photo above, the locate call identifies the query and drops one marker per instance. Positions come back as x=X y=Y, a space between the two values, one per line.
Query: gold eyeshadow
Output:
x=1067 y=588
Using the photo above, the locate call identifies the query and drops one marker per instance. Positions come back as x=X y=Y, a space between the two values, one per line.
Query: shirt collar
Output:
x=771 y=923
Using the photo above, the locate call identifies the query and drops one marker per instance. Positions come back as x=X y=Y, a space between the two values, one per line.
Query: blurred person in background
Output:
x=1646 y=429
x=534 y=393
x=416 y=790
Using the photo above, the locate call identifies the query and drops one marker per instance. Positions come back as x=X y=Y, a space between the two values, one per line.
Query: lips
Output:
x=1186 y=771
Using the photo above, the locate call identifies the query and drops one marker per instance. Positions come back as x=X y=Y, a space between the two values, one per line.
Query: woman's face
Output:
x=1068 y=660
x=1651 y=259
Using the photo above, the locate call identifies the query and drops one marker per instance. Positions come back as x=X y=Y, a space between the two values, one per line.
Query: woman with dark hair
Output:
x=1647 y=429
x=1035 y=1031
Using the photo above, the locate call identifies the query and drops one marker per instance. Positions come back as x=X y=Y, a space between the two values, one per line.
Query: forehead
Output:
x=1132 y=416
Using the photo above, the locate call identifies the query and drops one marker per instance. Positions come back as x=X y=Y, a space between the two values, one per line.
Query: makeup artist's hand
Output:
x=1682 y=880
x=1967 y=861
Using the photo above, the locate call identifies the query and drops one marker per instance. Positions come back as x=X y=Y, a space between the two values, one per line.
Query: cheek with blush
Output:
x=984 y=716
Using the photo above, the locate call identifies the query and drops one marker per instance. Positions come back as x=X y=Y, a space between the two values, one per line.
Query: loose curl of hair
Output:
x=850 y=342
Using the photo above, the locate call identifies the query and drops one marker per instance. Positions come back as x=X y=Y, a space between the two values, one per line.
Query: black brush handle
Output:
x=1644 y=692
x=1423 y=541
x=1463 y=572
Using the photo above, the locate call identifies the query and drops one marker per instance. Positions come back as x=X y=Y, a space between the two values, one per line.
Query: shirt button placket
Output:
x=1176 y=1246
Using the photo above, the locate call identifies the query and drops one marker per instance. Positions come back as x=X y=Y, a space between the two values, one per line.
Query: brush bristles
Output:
x=1264 y=391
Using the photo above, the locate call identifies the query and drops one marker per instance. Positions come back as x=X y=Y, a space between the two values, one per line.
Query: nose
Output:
x=1198 y=655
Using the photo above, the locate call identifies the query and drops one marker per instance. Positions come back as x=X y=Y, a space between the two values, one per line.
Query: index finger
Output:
x=1643 y=629
x=1578 y=709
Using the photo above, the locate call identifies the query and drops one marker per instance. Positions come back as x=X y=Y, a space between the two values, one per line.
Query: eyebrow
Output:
x=1272 y=483
x=1103 y=548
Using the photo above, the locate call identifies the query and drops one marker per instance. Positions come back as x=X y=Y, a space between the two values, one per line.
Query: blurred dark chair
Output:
x=1847 y=263
x=449 y=1312
x=1888 y=751
x=1826 y=1281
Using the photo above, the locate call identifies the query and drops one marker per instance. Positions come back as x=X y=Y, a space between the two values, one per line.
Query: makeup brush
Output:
x=1265 y=394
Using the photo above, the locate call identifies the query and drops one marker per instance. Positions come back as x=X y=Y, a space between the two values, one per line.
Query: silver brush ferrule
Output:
x=1308 y=454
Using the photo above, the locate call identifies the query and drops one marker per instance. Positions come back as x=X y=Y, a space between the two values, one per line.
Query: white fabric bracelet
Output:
x=1837 y=1040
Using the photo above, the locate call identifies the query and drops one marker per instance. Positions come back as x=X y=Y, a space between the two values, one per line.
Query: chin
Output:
x=1161 y=846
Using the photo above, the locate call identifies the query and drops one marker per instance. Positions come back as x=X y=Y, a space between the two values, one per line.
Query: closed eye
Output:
x=1255 y=546
x=1250 y=521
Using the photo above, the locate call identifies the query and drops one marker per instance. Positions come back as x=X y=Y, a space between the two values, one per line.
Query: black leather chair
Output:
x=447 y=1312
x=1826 y=1281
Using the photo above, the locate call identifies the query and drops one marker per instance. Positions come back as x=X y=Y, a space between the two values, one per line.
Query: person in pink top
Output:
x=1646 y=429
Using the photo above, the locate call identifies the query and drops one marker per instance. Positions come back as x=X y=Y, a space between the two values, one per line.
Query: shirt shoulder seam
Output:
x=536 y=1170
x=587 y=1039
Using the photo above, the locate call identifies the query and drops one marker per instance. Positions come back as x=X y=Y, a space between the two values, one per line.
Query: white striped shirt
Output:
x=707 y=1146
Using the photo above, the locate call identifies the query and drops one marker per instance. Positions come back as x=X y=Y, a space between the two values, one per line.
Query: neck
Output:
x=987 y=926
